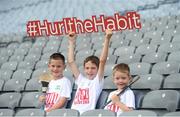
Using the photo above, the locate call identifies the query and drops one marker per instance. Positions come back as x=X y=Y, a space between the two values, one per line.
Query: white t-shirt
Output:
x=126 y=98
x=87 y=93
x=56 y=89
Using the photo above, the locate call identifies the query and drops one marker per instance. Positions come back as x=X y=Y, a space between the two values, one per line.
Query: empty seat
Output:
x=98 y=52
x=5 y=74
x=67 y=73
x=53 y=42
x=139 y=68
x=6 y=112
x=154 y=57
x=169 y=47
x=111 y=59
x=38 y=72
x=26 y=65
x=174 y=56
x=14 y=85
x=63 y=113
x=139 y=41
x=50 y=49
x=98 y=113
x=33 y=85
x=163 y=39
x=133 y=35
x=32 y=57
x=167 y=67
x=172 y=81
x=146 y=49
x=13 y=45
x=21 y=51
x=108 y=69
x=139 y=113
x=103 y=98
x=63 y=46
x=42 y=63
x=30 y=99
x=119 y=43
x=9 y=65
x=35 y=50
x=7 y=51
x=132 y=58
x=16 y=57
x=108 y=83
x=139 y=94
x=161 y=99
x=148 y=81
x=83 y=46
x=82 y=54
x=10 y=100
x=46 y=56
x=22 y=74
x=125 y=50
x=40 y=42
x=172 y=114
x=153 y=34
x=26 y=44
x=30 y=112
x=176 y=38
x=83 y=38
x=3 y=59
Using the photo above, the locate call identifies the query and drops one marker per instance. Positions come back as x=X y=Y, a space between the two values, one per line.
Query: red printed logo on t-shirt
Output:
x=82 y=96
x=113 y=107
x=51 y=98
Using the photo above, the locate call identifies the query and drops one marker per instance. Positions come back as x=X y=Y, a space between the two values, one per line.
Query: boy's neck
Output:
x=59 y=77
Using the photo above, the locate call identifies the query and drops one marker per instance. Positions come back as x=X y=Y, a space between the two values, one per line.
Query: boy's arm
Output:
x=58 y=105
x=71 y=62
x=123 y=107
x=115 y=99
x=104 y=54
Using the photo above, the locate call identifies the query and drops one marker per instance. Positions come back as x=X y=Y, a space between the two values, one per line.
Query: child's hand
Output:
x=108 y=34
x=42 y=98
x=72 y=36
x=115 y=98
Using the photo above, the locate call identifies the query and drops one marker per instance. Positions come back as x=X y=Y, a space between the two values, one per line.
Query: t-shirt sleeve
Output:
x=67 y=89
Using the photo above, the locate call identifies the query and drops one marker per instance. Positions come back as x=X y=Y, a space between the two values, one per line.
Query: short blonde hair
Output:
x=122 y=67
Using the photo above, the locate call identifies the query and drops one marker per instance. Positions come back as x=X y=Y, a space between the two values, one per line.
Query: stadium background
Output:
x=153 y=52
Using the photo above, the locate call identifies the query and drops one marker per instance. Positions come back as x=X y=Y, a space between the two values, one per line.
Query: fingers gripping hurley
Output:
x=132 y=82
x=45 y=79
